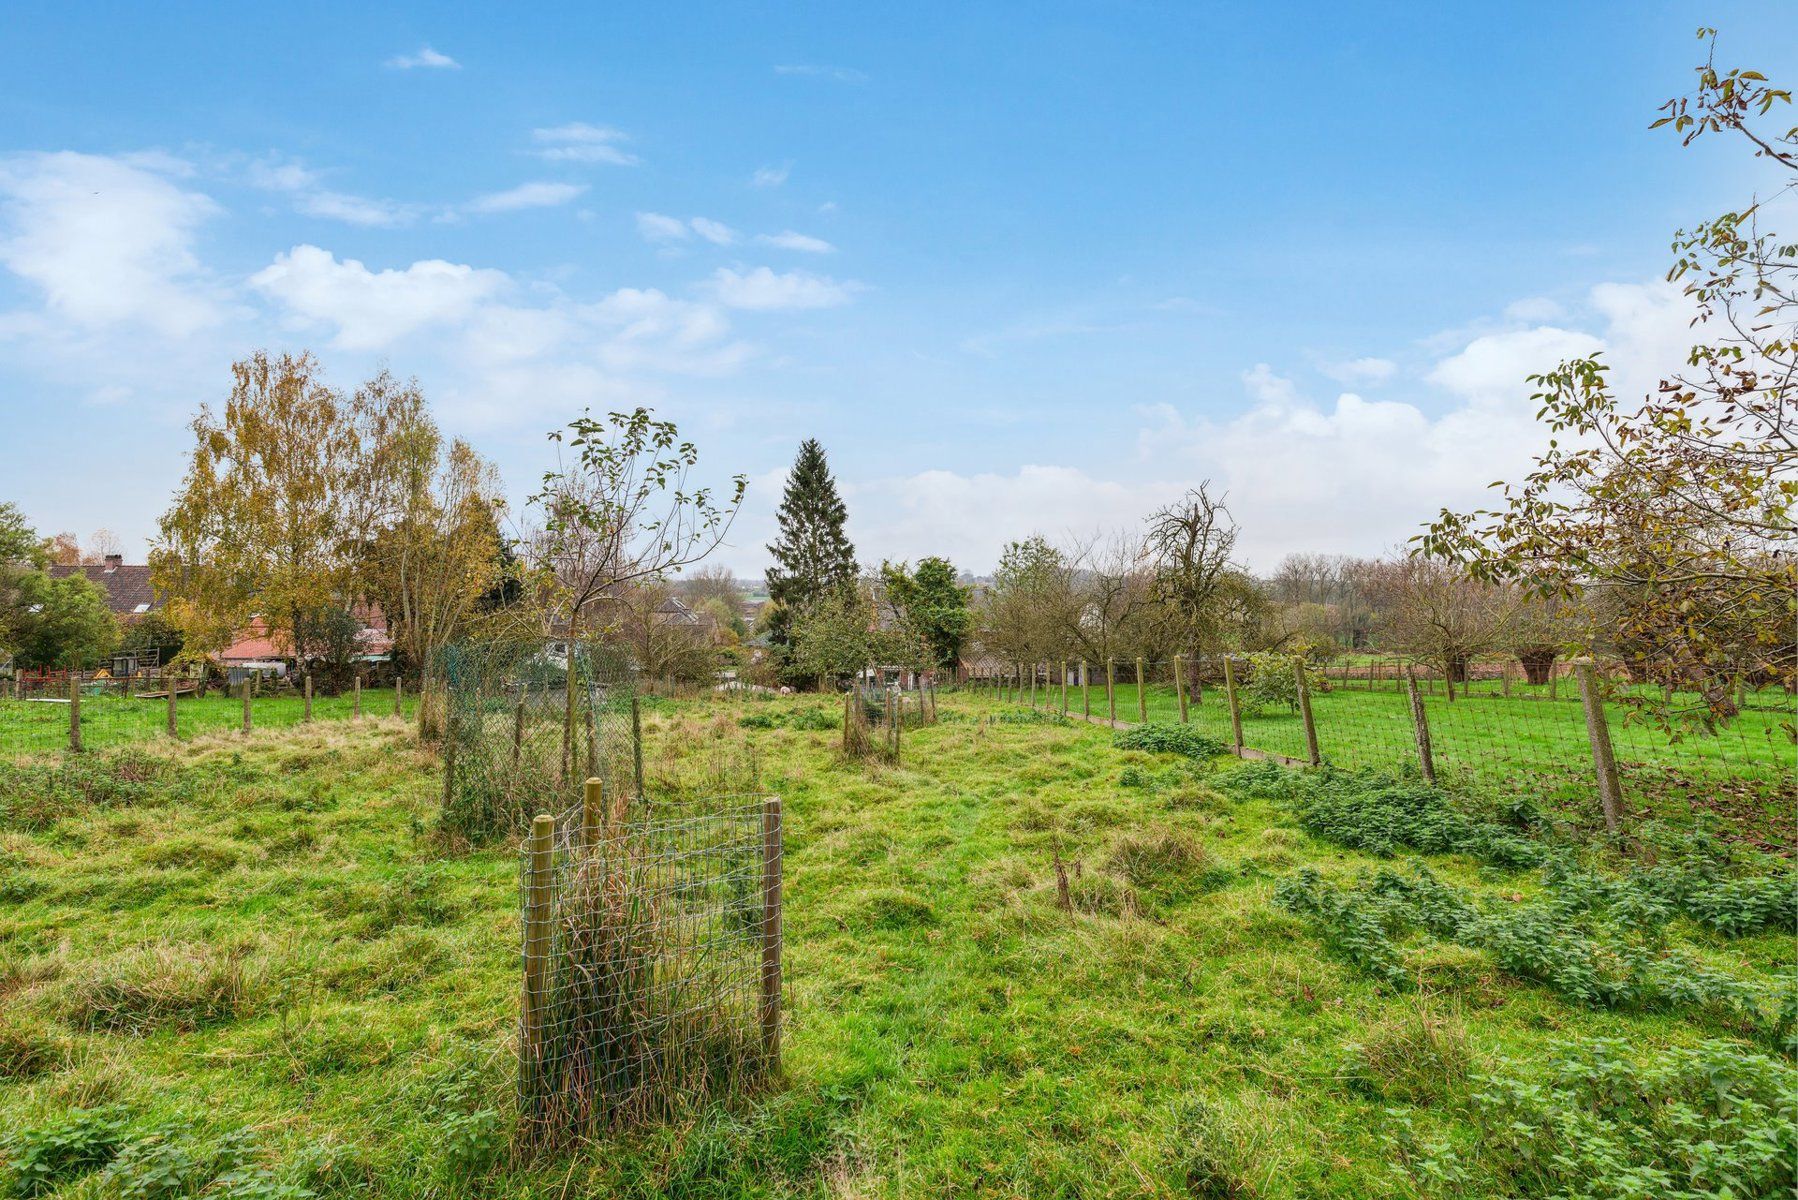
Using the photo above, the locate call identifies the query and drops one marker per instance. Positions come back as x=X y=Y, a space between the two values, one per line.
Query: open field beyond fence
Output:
x=41 y=725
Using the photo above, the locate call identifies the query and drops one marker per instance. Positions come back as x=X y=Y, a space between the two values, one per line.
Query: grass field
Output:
x=33 y=726
x=254 y=962
x=1492 y=740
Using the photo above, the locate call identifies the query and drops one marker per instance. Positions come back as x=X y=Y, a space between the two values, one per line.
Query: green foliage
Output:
x=1603 y=1119
x=63 y=623
x=813 y=555
x=1366 y=810
x=930 y=605
x=41 y=1158
x=1273 y=683
x=1164 y=737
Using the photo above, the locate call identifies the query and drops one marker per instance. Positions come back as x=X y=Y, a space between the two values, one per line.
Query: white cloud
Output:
x=526 y=195
x=426 y=58
x=1493 y=367
x=770 y=177
x=764 y=290
x=312 y=198
x=655 y=227
x=373 y=309
x=804 y=243
x=107 y=241
x=715 y=232
x=1362 y=370
x=833 y=74
x=1267 y=387
x=584 y=143
x=1533 y=309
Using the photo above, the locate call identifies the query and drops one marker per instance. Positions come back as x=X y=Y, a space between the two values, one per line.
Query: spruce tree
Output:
x=812 y=555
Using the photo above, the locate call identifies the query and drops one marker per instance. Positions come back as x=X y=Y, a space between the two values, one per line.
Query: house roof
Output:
x=255 y=643
x=127 y=585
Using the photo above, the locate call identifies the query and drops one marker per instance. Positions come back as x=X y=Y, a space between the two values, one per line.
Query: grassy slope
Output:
x=953 y=1031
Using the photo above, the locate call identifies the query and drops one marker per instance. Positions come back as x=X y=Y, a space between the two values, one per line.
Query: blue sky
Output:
x=1020 y=267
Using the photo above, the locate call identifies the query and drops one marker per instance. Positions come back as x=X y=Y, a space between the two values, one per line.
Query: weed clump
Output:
x=164 y=986
x=1167 y=737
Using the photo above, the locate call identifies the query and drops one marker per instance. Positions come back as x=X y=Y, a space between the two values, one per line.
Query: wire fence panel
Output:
x=651 y=959
x=39 y=715
x=526 y=723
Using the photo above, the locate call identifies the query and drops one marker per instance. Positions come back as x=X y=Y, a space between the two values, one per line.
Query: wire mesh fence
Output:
x=54 y=712
x=1496 y=730
x=651 y=954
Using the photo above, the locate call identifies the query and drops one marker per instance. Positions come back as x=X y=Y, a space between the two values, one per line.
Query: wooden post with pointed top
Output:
x=1235 y=711
x=1312 y=755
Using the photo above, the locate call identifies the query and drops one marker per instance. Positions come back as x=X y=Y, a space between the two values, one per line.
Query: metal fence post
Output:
x=75 y=711
x=1230 y=699
x=1180 y=684
x=1598 y=733
x=1311 y=752
x=771 y=930
x=1420 y=727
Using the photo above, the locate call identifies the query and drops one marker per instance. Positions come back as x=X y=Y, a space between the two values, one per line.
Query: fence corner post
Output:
x=1420 y=728
x=75 y=711
x=1598 y=734
x=771 y=930
x=1235 y=710
x=1312 y=755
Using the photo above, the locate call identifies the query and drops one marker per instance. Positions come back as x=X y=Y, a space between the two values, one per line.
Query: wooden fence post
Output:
x=568 y=705
x=539 y=895
x=1142 y=694
x=1180 y=684
x=398 y=687
x=174 y=725
x=1111 y=695
x=593 y=812
x=449 y=755
x=1064 y=688
x=524 y=690
x=307 y=684
x=637 y=744
x=1230 y=699
x=75 y=711
x=771 y=930
x=246 y=704
x=1311 y=753
x=1598 y=733
x=356 y=697
x=1420 y=728
x=1086 y=691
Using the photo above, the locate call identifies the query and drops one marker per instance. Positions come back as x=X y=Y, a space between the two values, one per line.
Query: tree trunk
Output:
x=1538 y=664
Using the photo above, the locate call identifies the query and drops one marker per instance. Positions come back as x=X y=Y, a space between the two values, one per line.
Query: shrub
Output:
x=1273 y=683
x=1167 y=737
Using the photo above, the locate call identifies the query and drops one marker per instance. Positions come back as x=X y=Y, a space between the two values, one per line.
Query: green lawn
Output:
x=34 y=726
x=267 y=935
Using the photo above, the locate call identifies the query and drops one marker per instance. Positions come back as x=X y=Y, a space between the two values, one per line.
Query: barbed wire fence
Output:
x=1579 y=738
x=54 y=712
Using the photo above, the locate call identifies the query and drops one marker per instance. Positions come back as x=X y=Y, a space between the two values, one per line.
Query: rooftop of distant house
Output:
x=127 y=585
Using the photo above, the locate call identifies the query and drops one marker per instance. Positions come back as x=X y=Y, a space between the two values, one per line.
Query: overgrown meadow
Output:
x=1026 y=960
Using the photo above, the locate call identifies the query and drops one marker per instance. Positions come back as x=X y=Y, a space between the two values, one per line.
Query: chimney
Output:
x=114 y=562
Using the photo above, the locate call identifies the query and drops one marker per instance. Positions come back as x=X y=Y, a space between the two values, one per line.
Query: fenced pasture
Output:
x=38 y=722
x=1497 y=734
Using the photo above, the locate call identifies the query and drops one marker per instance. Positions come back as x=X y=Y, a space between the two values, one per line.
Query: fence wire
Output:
x=646 y=929
x=1496 y=731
